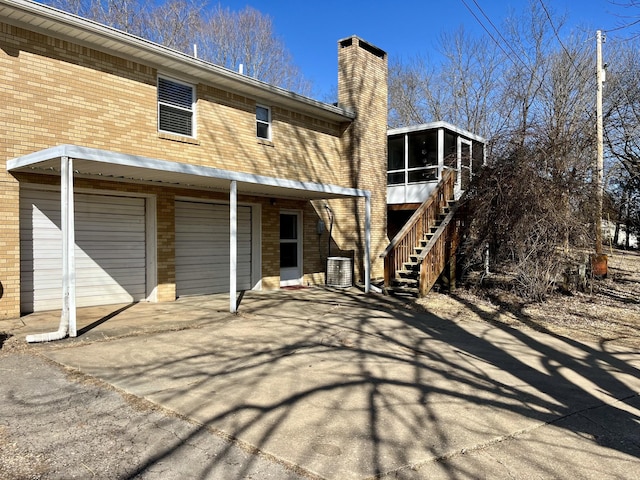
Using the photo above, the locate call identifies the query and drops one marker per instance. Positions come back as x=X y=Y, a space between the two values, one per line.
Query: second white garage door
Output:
x=202 y=248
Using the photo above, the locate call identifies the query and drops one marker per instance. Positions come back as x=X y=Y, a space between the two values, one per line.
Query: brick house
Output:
x=133 y=172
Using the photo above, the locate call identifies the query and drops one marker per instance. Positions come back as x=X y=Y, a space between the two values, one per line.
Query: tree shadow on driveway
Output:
x=342 y=385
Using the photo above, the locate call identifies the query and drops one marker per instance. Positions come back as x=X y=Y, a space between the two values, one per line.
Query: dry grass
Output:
x=608 y=313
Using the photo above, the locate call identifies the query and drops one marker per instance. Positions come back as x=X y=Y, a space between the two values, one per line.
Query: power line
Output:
x=491 y=35
x=508 y=44
x=520 y=61
x=557 y=35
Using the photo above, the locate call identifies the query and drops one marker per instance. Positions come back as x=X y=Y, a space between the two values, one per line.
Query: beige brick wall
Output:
x=9 y=250
x=54 y=92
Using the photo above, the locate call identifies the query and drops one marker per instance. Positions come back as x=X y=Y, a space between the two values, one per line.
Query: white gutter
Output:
x=106 y=163
x=434 y=126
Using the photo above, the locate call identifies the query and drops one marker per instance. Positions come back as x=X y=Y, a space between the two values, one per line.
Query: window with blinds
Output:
x=175 y=107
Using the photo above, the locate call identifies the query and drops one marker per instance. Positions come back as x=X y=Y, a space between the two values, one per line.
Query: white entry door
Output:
x=290 y=248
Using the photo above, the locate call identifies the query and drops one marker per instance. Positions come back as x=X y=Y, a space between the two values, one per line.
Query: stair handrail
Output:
x=402 y=245
x=439 y=253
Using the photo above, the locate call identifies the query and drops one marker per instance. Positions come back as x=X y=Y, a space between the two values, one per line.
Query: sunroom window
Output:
x=175 y=107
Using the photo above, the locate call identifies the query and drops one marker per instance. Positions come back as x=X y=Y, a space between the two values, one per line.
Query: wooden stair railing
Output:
x=439 y=253
x=427 y=237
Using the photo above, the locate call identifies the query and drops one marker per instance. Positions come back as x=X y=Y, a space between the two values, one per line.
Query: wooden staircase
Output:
x=426 y=245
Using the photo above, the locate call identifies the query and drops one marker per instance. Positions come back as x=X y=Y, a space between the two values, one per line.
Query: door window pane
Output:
x=288 y=227
x=288 y=255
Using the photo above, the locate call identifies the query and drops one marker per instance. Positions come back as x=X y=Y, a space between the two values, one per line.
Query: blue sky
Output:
x=403 y=28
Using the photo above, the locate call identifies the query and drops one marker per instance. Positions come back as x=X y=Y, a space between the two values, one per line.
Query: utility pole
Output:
x=600 y=261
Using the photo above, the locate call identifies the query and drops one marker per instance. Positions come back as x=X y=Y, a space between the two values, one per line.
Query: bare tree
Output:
x=127 y=15
x=463 y=88
x=247 y=37
x=628 y=13
x=532 y=204
x=622 y=110
x=412 y=89
x=223 y=36
x=622 y=135
x=175 y=23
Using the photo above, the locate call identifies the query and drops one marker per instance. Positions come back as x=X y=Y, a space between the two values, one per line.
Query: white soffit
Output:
x=50 y=21
x=107 y=165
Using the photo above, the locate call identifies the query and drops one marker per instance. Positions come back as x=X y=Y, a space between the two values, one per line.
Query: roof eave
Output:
x=50 y=21
x=437 y=125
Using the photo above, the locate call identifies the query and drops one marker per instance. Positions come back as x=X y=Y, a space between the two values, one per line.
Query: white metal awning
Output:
x=109 y=165
x=72 y=161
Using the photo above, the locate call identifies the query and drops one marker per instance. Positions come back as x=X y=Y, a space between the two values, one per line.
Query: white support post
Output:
x=458 y=186
x=68 y=317
x=367 y=243
x=233 y=246
x=440 y=153
x=71 y=255
x=68 y=246
x=64 y=226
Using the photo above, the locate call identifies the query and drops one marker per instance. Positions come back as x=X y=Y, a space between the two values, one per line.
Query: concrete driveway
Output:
x=341 y=385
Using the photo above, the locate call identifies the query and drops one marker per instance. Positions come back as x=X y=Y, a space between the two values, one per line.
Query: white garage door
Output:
x=202 y=248
x=110 y=250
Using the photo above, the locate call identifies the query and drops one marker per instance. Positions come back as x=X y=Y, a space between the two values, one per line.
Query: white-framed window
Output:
x=263 y=122
x=176 y=107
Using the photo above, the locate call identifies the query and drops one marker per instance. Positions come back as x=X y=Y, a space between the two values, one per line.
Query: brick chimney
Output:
x=362 y=88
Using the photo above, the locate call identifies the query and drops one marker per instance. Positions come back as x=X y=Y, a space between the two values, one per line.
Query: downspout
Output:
x=68 y=316
x=367 y=243
x=330 y=212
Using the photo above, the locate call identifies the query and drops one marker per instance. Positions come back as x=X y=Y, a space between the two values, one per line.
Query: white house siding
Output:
x=110 y=249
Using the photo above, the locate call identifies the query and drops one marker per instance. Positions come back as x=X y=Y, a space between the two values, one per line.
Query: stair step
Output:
x=404 y=283
x=403 y=291
x=423 y=243
x=410 y=266
x=408 y=274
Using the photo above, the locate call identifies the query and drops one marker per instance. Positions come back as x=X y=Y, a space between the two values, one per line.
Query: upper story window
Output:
x=263 y=122
x=176 y=107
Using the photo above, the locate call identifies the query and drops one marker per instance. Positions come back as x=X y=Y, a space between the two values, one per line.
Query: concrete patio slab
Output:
x=350 y=386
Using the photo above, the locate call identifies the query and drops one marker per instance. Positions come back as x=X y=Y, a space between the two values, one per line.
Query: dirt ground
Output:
x=607 y=313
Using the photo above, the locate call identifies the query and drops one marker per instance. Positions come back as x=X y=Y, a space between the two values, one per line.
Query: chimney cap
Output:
x=369 y=47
